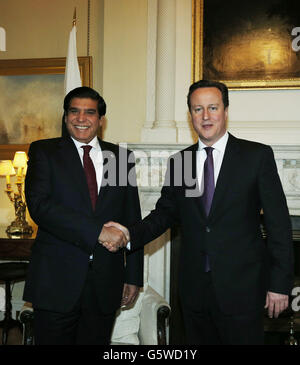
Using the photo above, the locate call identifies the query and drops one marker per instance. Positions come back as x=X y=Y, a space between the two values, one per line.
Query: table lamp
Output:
x=7 y=168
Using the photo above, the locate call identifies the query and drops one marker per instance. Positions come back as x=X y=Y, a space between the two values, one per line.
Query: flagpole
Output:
x=74 y=17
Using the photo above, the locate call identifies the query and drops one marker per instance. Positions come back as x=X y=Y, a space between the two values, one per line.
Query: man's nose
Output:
x=81 y=115
x=205 y=114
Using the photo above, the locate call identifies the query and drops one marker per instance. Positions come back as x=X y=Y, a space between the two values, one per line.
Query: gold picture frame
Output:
x=244 y=45
x=39 y=66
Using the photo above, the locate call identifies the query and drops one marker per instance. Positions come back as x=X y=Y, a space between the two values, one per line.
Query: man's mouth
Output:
x=207 y=126
x=81 y=127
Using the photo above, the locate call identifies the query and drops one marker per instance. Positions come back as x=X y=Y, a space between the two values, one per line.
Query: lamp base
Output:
x=19 y=228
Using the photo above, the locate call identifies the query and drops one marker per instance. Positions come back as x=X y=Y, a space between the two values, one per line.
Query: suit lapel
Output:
x=195 y=188
x=68 y=153
x=110 y=168
x=226 y=175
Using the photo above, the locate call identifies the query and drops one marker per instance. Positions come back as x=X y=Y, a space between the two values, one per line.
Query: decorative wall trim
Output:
x=288 y=163
x=151 y=162
x=283 y=133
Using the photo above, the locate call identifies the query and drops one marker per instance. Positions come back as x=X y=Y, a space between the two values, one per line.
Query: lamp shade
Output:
x=6 y=168
x=20 y=159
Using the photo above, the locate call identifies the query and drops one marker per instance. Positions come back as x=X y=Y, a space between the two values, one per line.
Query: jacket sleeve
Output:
x=278 y=226
x=164 y=216
x=134 y=259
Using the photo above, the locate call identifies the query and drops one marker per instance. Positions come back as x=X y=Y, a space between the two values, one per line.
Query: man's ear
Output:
x=226 y=113
x=101 y=121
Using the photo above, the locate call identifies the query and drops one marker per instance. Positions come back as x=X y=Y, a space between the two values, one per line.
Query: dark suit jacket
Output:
x=68 y=229
x=243 y=266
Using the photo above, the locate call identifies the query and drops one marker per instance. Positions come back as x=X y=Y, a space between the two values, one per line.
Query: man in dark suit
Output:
x=73 y=186
x=227 y=272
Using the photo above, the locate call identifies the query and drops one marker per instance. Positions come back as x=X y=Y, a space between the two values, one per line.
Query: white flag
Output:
x=72 y=73
x=2 y=39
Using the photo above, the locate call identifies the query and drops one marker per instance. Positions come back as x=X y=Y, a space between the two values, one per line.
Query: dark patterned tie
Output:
x=209 y=180
x=90 y=174
x=209 y=189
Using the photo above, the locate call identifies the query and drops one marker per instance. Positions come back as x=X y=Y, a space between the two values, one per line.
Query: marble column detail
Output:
x=163 y=128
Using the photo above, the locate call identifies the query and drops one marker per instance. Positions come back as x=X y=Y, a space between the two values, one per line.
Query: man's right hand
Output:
x=112 y=238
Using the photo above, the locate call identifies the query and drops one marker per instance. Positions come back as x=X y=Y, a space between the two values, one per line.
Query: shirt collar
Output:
x=220 y=145
x=94 y=143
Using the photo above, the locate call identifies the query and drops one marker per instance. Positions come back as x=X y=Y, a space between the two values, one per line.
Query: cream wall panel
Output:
x=124 y=68
x=40 y=29
x=96 y=42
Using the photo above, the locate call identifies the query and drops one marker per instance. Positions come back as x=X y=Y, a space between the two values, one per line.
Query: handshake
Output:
x=114 y=236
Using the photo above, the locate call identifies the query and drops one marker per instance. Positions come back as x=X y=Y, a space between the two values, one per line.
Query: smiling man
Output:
x=74 y=284
x=227 y=274
x=82 y=119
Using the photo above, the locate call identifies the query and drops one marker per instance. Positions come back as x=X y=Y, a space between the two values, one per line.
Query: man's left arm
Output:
x=279 y=235
x=134 y=259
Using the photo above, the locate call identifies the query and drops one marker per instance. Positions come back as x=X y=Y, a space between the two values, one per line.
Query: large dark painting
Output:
x=247 y=44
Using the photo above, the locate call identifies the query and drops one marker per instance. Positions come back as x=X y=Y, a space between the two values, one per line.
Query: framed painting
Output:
x=247 y=44
x=31 y=103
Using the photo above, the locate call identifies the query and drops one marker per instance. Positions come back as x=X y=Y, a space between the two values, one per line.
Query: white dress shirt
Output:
x=218 y=154
x=95 y=155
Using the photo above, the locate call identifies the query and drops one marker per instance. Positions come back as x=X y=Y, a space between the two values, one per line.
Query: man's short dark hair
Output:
x=85 y=92
x=207 y=83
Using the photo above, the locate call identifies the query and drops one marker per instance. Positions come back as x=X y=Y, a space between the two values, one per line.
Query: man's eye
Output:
x=198 y=110
x=91 y=112
x=213 y=108
x=74 y=111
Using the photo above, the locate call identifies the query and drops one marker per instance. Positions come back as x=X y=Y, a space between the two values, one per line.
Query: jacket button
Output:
x=207 y=229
